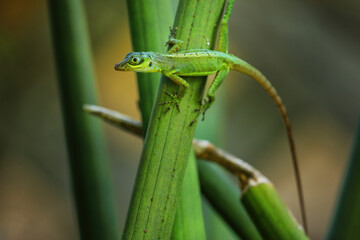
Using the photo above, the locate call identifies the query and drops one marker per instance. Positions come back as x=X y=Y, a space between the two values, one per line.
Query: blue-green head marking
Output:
x=138 y=62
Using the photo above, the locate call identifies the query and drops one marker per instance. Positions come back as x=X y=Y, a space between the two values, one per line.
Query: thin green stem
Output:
x=88 y=160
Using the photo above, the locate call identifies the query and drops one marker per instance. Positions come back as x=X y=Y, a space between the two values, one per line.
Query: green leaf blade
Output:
x=90 y=173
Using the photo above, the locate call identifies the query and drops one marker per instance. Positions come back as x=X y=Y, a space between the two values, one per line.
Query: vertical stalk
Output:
x=346 y=221
x=169 y=137
x=89 y=167
x=149 y=31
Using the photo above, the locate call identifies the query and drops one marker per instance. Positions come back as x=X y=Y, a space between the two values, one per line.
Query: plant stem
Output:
x=269 y=213
x=149 y=31
x=169 y=137
x=89 y=165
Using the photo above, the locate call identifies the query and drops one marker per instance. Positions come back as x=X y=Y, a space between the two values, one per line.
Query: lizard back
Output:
x=195 y=62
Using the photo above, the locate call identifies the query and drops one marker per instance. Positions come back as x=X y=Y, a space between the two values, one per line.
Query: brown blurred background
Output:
x=308 y=49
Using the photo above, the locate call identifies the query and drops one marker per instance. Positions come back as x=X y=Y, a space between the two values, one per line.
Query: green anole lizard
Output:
x=199 y=62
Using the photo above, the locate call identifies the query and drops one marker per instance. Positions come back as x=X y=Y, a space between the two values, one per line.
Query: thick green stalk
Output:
x=149 y=31
x=89 y=167
x=346 y=221
x=169 y=137
x=269 y=213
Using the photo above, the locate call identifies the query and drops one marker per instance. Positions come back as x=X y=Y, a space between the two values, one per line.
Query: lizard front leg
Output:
x=176 y=78
x=176 y=98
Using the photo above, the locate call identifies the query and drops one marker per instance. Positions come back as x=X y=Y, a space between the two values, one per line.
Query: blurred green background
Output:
x=308 y=49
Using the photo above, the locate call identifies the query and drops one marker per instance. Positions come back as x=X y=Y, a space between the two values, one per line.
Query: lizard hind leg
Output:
x=219 y=78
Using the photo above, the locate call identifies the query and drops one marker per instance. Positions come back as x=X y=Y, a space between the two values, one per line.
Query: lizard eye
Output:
x=135 y=60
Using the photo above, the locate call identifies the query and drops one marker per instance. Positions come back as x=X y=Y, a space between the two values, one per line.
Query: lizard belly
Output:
x=196 y=74
x=197 y=67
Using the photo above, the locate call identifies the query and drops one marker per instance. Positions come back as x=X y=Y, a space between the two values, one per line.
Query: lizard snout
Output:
x=119 y=67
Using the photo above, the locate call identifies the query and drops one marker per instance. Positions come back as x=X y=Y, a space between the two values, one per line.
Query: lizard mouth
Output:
x=121 y=67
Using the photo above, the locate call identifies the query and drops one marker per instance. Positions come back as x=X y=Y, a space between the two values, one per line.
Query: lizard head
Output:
x=137 y=62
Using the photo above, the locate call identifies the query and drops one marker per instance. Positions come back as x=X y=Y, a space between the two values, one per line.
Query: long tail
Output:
x=243 y=67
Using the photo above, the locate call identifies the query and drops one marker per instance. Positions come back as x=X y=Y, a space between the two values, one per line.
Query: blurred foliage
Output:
x=345 y=222
x=89 y=166
x=308 y=49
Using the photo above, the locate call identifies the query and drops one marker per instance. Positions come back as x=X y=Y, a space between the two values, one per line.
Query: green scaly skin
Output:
x=200 y=62
x=196 y=62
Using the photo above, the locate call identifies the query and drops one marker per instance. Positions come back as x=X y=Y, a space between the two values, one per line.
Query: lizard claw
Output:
x=174 y=101
x=198 y=111
x=172 y=36
x=200 y=104
x=173 y=32
x=204 y=106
